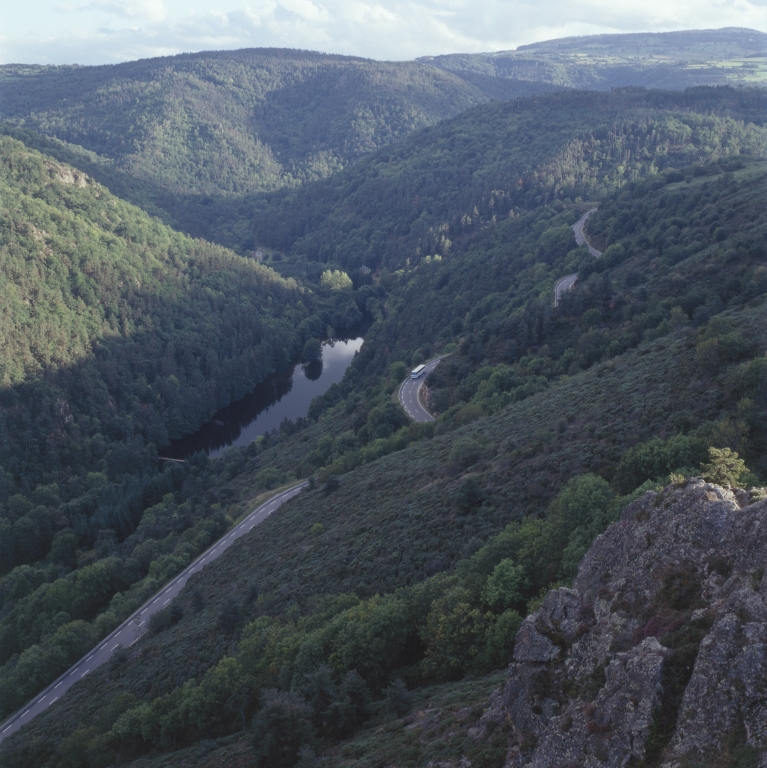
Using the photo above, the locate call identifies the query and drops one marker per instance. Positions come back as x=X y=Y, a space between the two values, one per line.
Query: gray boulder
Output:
x=659 y=651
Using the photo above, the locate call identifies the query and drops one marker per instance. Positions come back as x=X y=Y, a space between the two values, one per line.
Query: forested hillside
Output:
x=174 y=132
x=413 y=201
x=196 y=138
x=402 y=573
x=117 y=334
x=306 y=629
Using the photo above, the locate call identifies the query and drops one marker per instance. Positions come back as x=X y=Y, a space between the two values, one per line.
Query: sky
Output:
x=110 y=31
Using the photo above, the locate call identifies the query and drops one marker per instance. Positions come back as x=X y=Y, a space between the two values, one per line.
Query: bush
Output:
x=724 y=468
x=281 y=730
x=657 y=458
x=162 y=620
x=466 y=452
x=470 y=496
x=398 y=698
x=230 y=616
x=505 y=586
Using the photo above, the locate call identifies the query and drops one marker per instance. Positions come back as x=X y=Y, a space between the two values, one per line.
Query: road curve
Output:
x=408 y=394
x=133 y=627
x=564 y=284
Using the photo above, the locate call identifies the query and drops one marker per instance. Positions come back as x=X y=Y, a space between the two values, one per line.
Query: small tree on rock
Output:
x=724 y=468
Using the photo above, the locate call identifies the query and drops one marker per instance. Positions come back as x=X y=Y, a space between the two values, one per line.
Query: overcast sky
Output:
x=107 y=31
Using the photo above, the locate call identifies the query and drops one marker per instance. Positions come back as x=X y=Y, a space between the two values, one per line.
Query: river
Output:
x=285 y=395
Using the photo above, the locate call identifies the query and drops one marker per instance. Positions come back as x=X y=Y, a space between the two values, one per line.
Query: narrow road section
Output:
x=135 y=626
x=409 y=394
x=564 y=284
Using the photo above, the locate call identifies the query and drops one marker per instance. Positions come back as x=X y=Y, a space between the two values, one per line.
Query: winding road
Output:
x=408 y=394
x=564 y=284
x=135 y=626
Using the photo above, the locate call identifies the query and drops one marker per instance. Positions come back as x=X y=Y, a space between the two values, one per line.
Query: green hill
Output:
x=394 y=568
x=169 y=133
x=196 y=138
x=672 y=60
x=418 y=548
x=416 y=199
x=117 y=334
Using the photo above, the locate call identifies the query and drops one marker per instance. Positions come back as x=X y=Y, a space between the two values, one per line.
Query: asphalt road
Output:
x=408 y=394
x=564 y=284
x=135 y=626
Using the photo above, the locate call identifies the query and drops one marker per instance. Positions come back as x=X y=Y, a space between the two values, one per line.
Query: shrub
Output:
x=230 y=617
x=657 y=458
x=281 y=730
x=466 y=452
x=164 y=619
x=505 y=586
x=398 y=698
x=724 y=468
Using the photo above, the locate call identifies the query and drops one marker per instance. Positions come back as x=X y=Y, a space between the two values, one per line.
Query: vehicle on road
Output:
x=417 y=371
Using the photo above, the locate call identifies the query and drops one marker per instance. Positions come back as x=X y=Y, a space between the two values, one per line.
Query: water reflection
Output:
x=285 y=395
x=313 y=370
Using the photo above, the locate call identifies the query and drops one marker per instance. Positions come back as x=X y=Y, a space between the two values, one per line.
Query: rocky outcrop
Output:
x=658 y=654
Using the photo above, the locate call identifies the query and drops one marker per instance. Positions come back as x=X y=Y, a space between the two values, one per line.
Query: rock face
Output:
x=658 y=654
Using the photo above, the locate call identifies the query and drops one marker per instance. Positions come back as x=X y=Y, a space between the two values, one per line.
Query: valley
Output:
x=579 y=264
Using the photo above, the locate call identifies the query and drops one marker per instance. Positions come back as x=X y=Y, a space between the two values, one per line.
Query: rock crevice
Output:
x=658 y=654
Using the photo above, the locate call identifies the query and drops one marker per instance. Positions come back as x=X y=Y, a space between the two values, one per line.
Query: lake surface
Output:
x=285 y=395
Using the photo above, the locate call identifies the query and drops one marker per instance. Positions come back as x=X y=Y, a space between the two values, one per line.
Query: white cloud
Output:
x=150 y=11
x=117 y=30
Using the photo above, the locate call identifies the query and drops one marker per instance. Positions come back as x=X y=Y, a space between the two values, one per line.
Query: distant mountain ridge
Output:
x=670 y=60
x=692 y=43
x=238 y=121
x=191 y=138
x=184 y=136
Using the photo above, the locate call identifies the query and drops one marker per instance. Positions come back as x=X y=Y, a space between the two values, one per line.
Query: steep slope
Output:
x=116 y=334
x=233 y=122
x=414 y=200
x=420 y=560
x=93 y=284
x=657 y=653
x=672 y=60
x=300 y=576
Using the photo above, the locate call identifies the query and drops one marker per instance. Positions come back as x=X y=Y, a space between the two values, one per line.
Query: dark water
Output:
x=285 y=395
